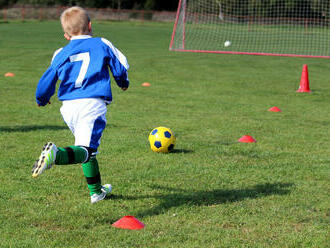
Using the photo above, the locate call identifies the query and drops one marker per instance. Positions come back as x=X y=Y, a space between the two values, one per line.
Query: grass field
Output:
x=211 y=191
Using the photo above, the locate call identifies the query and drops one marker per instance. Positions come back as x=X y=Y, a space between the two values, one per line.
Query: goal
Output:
x=299 y=28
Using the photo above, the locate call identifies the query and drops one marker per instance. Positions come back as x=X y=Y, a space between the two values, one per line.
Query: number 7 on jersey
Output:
x=84 y=57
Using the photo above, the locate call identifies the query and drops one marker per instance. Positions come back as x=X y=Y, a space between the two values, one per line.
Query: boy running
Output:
x=83 y=68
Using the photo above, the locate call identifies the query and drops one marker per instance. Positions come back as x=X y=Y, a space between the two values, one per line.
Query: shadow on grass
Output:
x=181 y=151
x=11 y=129
x=227 y=143
x=178 y=197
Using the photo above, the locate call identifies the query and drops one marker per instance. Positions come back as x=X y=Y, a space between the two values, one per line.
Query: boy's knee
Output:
x=91 y=153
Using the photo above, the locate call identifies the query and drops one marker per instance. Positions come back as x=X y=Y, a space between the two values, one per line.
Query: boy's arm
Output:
x=118 y=65
x=119 y=73
x=46 y=86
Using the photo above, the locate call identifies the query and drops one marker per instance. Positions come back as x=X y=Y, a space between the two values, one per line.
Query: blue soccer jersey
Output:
x=83 y=68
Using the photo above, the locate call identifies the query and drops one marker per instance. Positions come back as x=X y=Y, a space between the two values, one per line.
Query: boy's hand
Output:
x=124 y=89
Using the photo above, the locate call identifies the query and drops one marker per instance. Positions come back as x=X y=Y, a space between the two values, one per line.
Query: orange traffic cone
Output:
x=247 y=139
x=304 y=82
x=128 y=222
x=9 y=74
x=275 y=109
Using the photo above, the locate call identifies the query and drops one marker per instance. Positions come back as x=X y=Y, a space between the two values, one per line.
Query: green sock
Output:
x=93 y=177
x=71 y=155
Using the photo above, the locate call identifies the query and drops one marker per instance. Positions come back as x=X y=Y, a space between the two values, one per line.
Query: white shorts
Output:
x=86 y=120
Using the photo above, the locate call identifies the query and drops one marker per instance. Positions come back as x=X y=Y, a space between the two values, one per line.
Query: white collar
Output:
x=81 y=37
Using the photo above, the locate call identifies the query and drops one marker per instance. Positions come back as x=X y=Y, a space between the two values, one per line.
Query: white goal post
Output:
x=299 y=28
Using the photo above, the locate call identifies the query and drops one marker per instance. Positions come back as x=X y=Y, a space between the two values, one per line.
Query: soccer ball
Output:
x=227 y=43
x=161 y=139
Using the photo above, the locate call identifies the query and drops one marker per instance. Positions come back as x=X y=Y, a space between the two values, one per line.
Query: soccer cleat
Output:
x=46 y=159
x=105 y=190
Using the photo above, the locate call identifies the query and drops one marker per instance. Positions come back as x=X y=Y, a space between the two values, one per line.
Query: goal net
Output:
x=261 y=27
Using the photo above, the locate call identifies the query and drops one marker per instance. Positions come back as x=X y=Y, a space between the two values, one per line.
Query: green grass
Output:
x=212 y=191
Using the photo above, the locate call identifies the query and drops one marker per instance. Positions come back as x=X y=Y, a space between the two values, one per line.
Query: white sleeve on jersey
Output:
x=117 y=53
x=56 y=52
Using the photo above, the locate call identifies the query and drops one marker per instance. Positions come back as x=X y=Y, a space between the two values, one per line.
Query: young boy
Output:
x=83 y=68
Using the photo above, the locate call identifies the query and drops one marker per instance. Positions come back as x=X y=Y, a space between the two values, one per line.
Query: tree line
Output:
x=265 y=8
x=169 y=5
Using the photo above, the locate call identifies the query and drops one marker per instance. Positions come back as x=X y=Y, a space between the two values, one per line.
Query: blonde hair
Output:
x=75 y=21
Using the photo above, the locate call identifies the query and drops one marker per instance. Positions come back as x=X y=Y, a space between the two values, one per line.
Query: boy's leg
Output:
x=71 y=155
x=91 y=171
x=92 y=175
x=86 y=118
x=51 y=155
